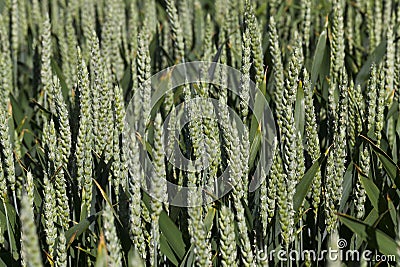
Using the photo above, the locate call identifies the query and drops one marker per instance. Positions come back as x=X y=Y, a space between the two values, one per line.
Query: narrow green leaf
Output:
x=2 y=263
x=318 y=57
x=125 y=80
x=189 y=259
x=347 y=186
x=375 y=57
x=167 y=251
x=17 y=111
x=255 y=145
x=392 y=212
x=390 y=166
x=375 y=237
x=372 y=217
x=61 y=77
x=172 y=234
x=86 y=251
x=103 y=193
x=258 y=112
x=72 y=233
x=305 y=183
x=10 y=215
x=372 y=191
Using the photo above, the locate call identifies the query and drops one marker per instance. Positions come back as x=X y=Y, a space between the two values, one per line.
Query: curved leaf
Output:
x=375 y=237
x=390 y=166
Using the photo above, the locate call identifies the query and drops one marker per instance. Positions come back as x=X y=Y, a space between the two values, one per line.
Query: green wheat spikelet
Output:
x=197 y=232
x=110 y=233
x=30 y=249
x=228 y=243
x=177 y=31
x=134 y=179
x=312 y=140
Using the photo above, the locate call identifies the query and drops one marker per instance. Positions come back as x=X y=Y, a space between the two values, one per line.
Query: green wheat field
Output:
x=72 y=188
